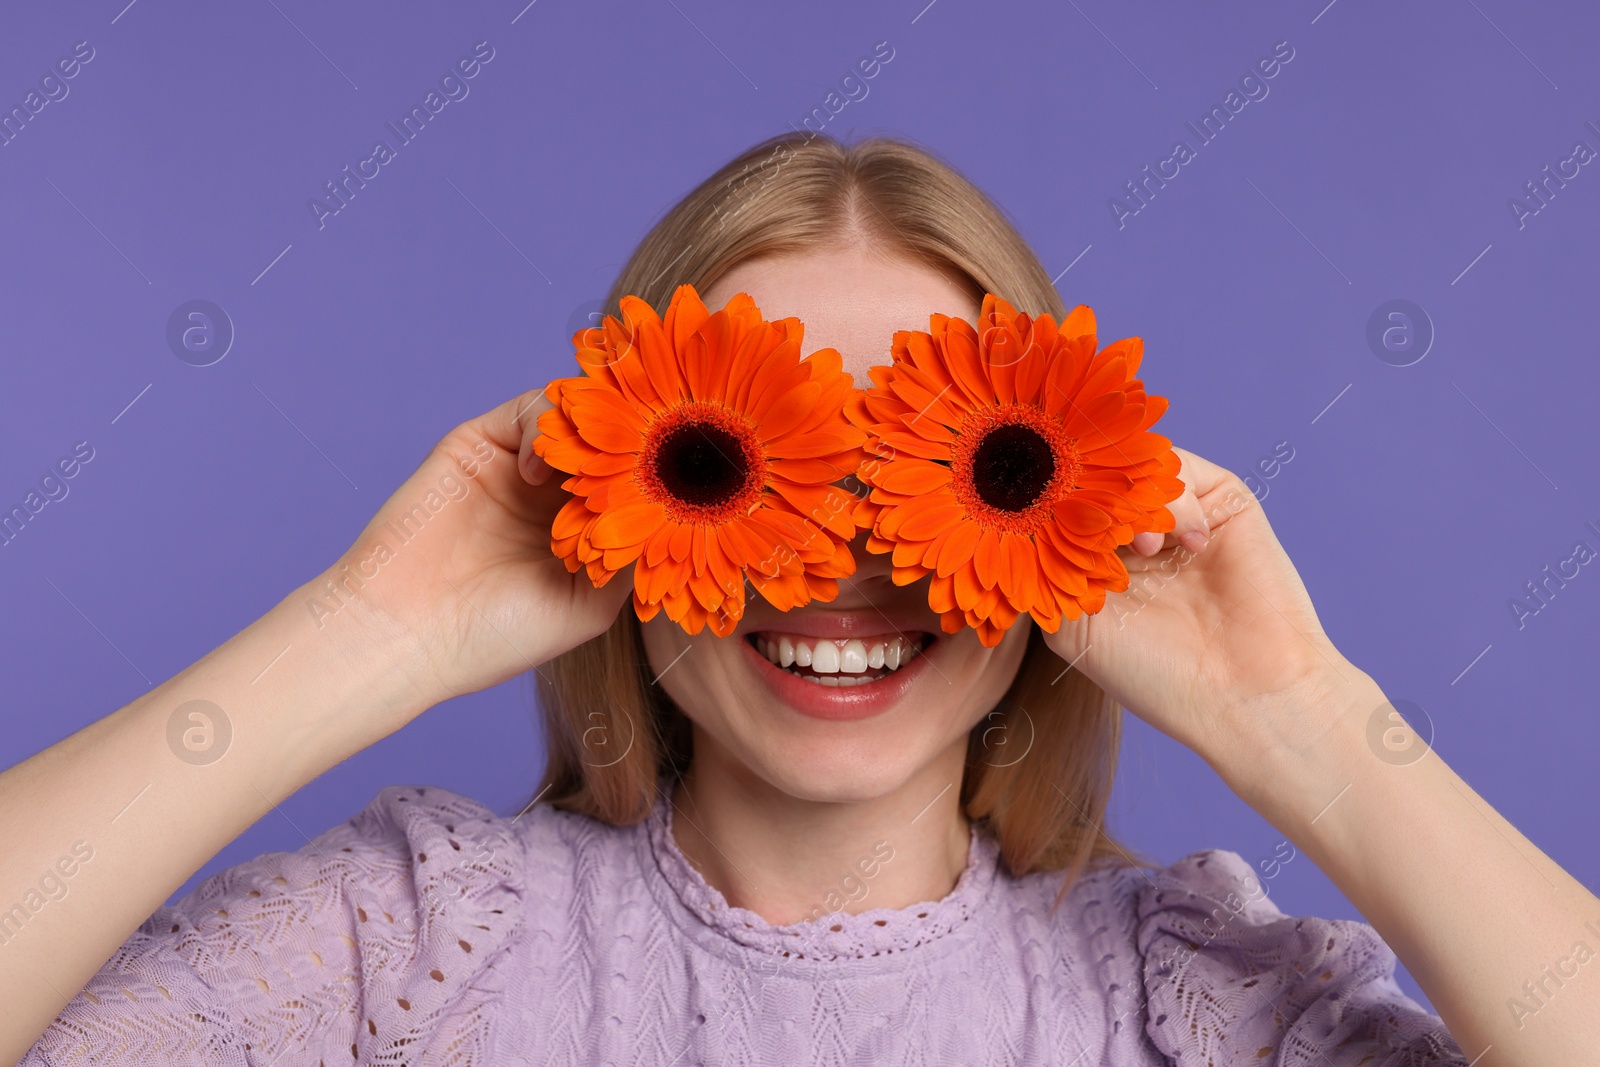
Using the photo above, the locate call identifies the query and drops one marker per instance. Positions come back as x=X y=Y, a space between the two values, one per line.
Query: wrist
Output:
x=336 y=675
x=1289 y=752
x=373 y=651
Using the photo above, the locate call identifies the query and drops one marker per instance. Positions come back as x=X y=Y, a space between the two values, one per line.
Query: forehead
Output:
x=849 y=299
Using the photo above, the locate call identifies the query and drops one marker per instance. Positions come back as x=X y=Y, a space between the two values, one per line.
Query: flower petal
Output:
x=627 y=526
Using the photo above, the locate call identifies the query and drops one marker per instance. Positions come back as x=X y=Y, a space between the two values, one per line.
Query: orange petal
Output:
x=966 y=587
x=787 y=412
x=1129 y=450
x=987 y=559
x=685 y=314
x=913 y=477
x=958 y=548
x=610 y=436
x=1079 y=321
x=627 y=526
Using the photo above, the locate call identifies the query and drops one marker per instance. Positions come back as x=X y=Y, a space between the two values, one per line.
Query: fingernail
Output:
x=1194 y=540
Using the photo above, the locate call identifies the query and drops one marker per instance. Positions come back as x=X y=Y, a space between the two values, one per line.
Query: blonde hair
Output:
x=613 y=739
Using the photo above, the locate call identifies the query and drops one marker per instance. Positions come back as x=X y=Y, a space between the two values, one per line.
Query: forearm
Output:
x=149 y=800
x=1470 y=906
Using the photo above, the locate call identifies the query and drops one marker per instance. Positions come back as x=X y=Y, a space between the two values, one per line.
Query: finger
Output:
x=1190 y=527
x=534 y=468
x=514 y=425
x=1216 y=489
x=1147 y=543
x=1200 y=474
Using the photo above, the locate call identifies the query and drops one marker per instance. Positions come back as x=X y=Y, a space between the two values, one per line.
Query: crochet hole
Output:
x=405 y=1005
x=436 y=974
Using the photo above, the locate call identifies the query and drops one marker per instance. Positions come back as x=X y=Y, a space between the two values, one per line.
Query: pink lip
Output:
x=828 y=702
x=819 y=622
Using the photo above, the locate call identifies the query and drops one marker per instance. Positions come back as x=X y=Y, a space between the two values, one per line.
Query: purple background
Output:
x=1379 y=166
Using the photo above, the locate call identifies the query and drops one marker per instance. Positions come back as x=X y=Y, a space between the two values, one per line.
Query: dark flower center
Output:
x=701 y=464
x=1012 y=466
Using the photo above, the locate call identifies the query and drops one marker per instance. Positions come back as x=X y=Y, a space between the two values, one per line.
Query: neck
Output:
x=790 y=859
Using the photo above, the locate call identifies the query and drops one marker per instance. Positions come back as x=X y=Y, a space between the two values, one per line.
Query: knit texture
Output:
x=428 y=930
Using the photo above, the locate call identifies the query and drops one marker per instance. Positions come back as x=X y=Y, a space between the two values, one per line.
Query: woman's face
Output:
x=832 y=719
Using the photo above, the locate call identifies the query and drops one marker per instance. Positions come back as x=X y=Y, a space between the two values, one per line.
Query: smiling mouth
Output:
x=838 y=661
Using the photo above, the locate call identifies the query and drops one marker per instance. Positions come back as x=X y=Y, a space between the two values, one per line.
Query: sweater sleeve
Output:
x=369 y=945
x=1230 y=979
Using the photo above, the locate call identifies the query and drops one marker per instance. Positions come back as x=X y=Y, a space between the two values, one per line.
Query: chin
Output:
x=835 y=702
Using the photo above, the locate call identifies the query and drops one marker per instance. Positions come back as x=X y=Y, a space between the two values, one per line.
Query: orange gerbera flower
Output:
x=702 y=449
x=1011 y=464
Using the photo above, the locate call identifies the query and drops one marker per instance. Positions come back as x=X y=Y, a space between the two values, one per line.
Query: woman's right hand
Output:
x=450 y=588
x=457 y=562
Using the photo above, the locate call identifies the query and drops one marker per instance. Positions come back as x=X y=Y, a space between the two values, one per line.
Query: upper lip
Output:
x=826 y=622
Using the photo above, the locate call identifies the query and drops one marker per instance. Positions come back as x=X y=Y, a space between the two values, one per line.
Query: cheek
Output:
x=697 y=671
x=670 y=654
x=663 y=641
x=986 y=673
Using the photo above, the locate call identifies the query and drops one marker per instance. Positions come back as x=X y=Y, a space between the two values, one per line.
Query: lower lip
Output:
x=836 y=703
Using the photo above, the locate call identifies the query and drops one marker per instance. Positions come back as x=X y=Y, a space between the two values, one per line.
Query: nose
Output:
x=873 y=567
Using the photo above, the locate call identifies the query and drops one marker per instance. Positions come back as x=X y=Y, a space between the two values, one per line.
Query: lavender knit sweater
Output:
x=428 y=930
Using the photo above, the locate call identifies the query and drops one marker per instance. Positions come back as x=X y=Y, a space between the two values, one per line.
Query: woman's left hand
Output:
x=1222 y=650
x=1204 y=645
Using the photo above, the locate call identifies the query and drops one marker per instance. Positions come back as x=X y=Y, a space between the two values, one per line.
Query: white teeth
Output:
x=835 y=662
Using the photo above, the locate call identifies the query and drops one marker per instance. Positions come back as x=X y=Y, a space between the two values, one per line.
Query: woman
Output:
x=729 y=861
